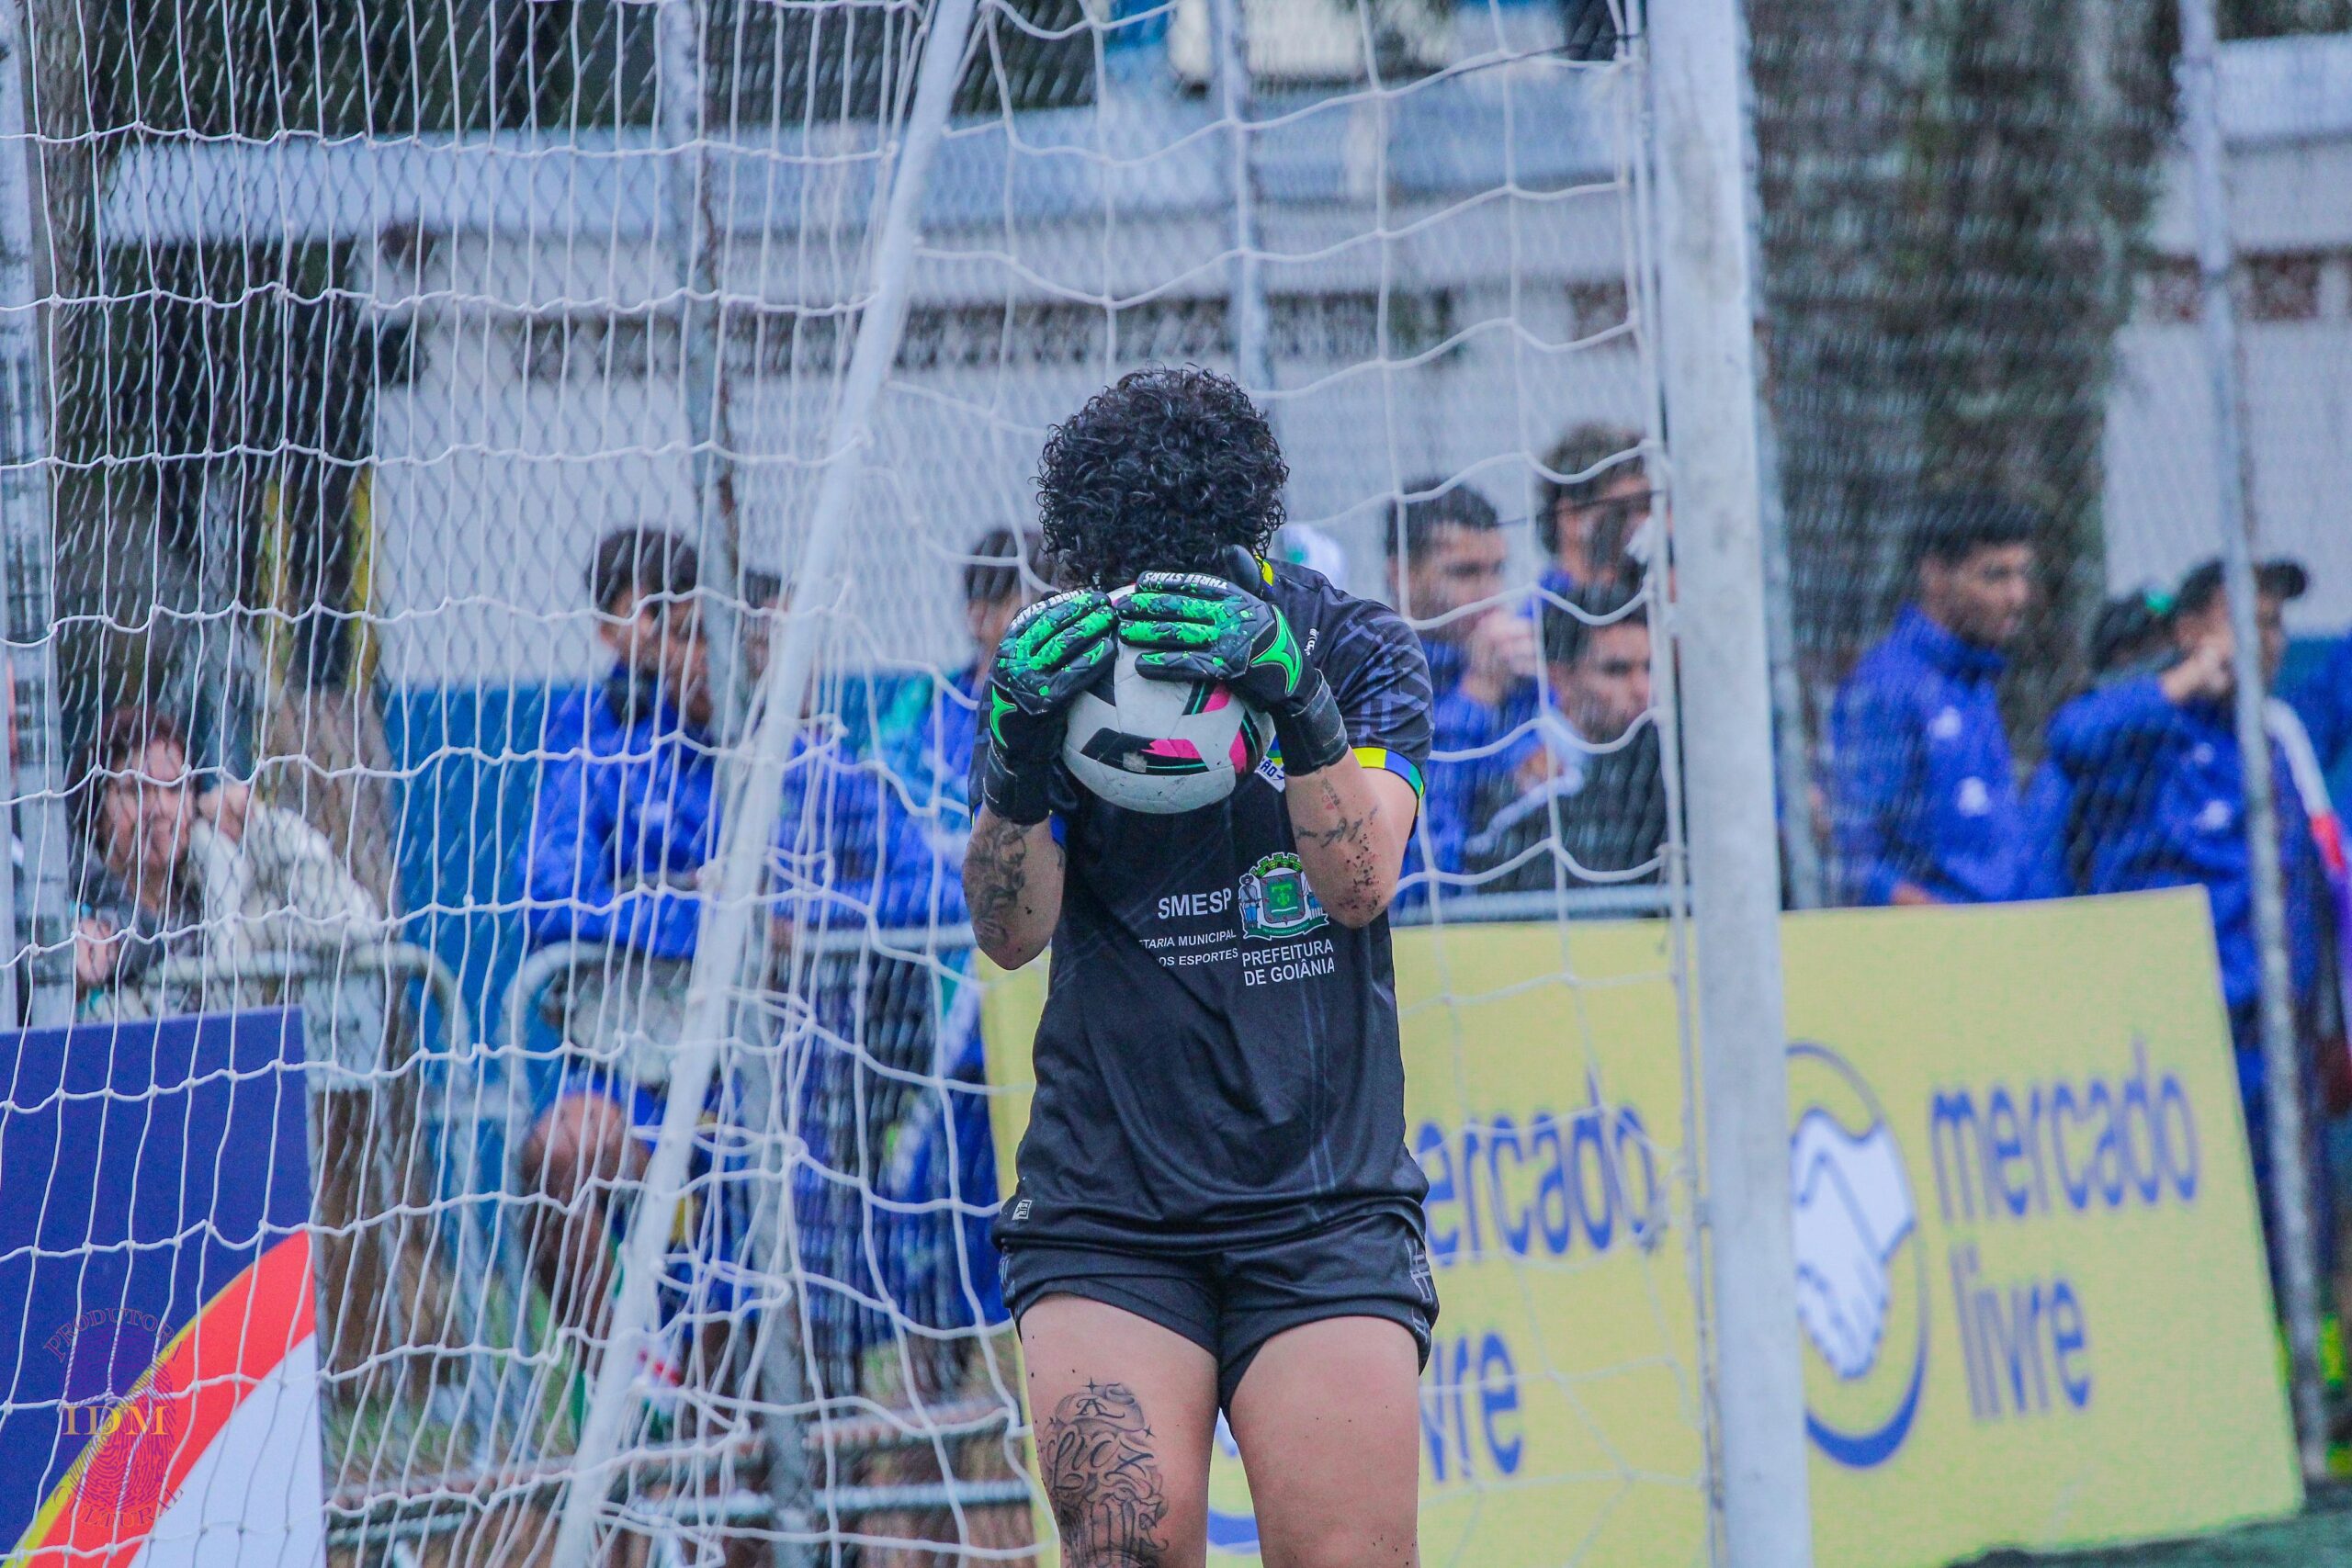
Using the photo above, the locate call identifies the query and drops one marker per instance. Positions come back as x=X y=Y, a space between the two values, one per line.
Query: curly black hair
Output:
x=1160 y=472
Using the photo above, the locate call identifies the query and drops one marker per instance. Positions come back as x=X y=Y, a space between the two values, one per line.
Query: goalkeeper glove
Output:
x=1193 y=626
x=1053 y=651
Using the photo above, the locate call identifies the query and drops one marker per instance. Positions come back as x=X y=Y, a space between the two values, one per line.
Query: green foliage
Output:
x=338 y=68
x=2277 y=19
x=1956 y=197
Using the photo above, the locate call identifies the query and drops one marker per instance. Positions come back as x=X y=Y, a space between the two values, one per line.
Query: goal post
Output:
x=1706 y=296
x=38 y=903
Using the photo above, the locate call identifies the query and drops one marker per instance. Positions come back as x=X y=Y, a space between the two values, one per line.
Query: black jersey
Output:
x=1218 y=1059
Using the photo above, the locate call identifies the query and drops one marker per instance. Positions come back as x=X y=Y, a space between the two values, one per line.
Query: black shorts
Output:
x=1230 y=1300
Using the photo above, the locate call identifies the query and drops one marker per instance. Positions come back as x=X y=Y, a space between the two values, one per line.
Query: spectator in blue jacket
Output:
x=1593 y=510
x=2131 y=635
x=2324 y=701
x=1585 y=802
x=624 y=828
x=1446 y=550
x=624 y=824
x=2158 y=789
x=942 y=1170
x=926 y=739
x=2157 y=779
x=624 y=821
x=1923 y=788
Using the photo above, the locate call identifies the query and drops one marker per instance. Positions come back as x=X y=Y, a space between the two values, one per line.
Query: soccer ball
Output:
x=1162 y=745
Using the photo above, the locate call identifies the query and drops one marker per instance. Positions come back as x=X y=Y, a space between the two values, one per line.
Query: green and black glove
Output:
x=1053 y=651
x=1193 y=626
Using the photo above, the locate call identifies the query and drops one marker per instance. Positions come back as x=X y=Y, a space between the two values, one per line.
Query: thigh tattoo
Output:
x=1103 y=1478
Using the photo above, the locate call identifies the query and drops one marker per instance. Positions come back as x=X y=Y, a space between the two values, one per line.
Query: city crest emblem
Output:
x=1276 y=902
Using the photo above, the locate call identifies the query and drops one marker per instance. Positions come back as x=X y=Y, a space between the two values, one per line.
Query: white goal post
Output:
x=1707 y=265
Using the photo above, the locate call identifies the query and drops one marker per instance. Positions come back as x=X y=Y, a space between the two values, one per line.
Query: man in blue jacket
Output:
x=624 y=821
x=2158 y=800
x=624 y=825
x=2130 y=636
x=1446 y=551
x=2324 y=701
x=1923 y=788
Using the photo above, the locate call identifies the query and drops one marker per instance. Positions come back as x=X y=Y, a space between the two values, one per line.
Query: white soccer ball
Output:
x=1162 y=745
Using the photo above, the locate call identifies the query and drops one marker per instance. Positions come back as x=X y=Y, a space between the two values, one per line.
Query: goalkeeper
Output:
x=1216 y=1207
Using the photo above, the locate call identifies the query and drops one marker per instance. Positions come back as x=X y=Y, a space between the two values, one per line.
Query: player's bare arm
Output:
x=1012 y=880
x=1351 y=828
x=1353 y=824
x=1012 y=871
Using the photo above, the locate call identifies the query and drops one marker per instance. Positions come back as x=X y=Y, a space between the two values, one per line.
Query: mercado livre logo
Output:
x=2030 y=1176
x=1861 y=1267
x=2012 y=1184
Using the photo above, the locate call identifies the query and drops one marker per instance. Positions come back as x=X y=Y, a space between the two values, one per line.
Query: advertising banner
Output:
x=2030 y=1289
x=158 y=1355
x=2029 y=1265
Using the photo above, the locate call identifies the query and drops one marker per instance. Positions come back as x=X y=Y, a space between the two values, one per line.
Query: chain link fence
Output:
x=2005 y=650
x=360 y=327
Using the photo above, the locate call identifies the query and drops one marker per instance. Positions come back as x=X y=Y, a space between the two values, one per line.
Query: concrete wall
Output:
x=1493 y=210
x=2291 y=213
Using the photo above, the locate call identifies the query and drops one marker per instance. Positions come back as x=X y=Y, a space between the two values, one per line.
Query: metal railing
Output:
x=836 y=1439
x=1605 y=902
x=389 y=959
x=461 y=1091
x=441 y=1504
x=469 y=1095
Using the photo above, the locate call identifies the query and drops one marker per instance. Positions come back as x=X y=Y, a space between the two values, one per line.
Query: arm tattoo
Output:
x=999 y=858
x=1350 y=837
x=1102 y=1478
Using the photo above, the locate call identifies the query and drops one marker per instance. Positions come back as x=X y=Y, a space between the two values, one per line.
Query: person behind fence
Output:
x=1585 y=802
x=624 y=826
x=624 y=834
x=926 y=737
x=898 y=1161
x=943 y=1155
x=2157 y=786
x=183 y=872
x=1592 y=514
x=1924 y=802
x=188 y=868
x=2131 y=636
x=1446 y=549
x=623 y=822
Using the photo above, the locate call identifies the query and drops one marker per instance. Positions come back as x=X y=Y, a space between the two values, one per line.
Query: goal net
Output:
x=361 y=335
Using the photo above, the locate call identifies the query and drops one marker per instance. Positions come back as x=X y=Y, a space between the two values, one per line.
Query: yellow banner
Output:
x=2031 y=1296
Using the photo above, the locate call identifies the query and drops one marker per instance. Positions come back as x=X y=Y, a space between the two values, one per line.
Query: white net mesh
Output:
x=365 y=328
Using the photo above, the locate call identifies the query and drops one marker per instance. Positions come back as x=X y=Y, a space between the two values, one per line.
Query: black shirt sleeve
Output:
x=1381 y=680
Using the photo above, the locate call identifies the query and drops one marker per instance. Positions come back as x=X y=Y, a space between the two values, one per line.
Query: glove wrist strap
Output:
x=1312 y=734
x=1021 y=797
